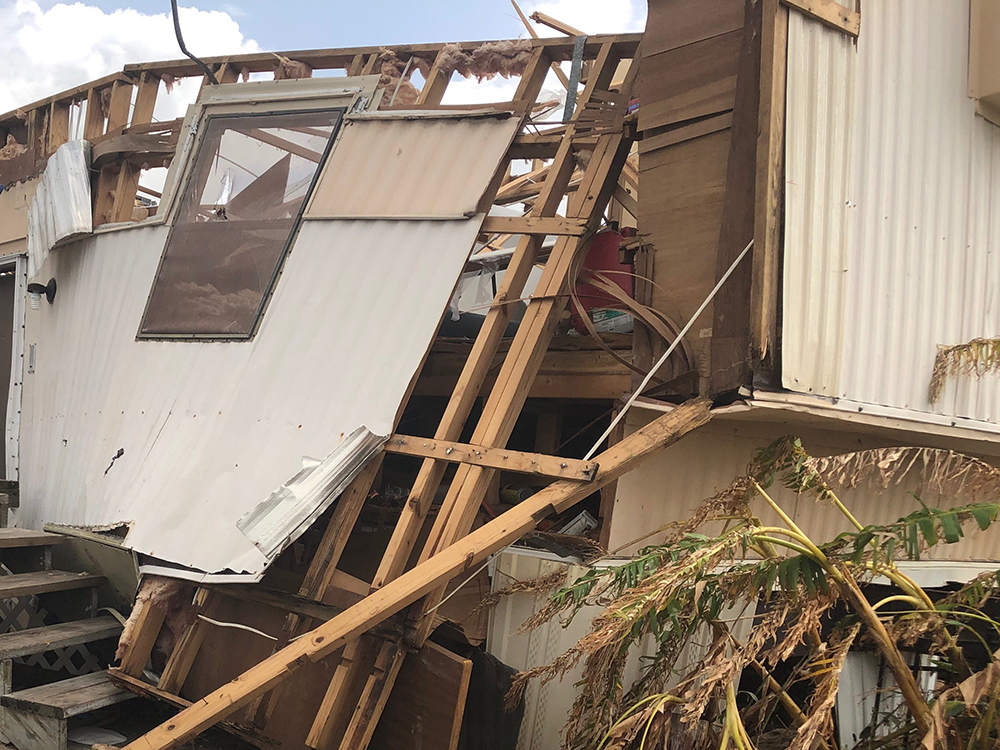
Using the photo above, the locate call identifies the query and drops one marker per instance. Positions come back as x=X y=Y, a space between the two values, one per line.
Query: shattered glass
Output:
x=239 y=208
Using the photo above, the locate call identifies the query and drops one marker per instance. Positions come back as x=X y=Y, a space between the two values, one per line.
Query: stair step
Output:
x=44 y=581
x=39 y=640
x=14 y=538
x=67 y=698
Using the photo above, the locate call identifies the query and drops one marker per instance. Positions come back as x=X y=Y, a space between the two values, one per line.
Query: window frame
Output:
x=177 y=199
x=253 y=98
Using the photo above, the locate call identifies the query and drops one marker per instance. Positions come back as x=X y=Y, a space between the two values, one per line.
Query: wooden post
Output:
x=769 y=184
x=145 y=98
x=58 y=125
x=93 y=126
x=436 y=84
x=145 y=631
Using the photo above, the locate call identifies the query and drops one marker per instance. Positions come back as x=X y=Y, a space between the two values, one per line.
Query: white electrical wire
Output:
x=236 y=626
x=670 y=350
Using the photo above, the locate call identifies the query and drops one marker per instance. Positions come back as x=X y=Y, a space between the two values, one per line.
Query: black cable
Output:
x=180 y=40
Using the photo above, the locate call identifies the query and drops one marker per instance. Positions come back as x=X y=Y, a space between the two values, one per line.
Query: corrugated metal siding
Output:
x=669 y=485
x=892 y=238
x=209 y=430
x=413 y=167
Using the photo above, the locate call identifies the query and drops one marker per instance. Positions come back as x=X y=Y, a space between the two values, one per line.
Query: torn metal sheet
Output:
x=293 y=507
x=60 y=209
x=205 y=431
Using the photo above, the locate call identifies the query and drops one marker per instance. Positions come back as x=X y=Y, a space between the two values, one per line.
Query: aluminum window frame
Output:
x=252 y=99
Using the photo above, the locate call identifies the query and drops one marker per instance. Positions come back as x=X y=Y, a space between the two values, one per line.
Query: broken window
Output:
x=238 y=211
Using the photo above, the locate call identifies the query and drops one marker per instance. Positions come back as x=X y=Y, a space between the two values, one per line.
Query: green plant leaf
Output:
x=951 y=527
x=984 y=515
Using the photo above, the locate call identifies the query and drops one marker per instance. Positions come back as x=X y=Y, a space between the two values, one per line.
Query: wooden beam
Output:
x=499 y=458
x=93 y=125
x=119 y=106
x=769 y=186
x=563 y=79
x=145 y=690
x=436 y=84
x=553 y=23
x=182 y=657
x=541 y=225
x=730 y=342
x=145 y=98
x=58 y=125
x=143 y=634
x=829 y=13
x=423 y=579
x=558 y=48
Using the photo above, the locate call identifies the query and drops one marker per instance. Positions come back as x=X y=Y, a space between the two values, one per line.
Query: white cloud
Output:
x=47 y=51
x=592 y=16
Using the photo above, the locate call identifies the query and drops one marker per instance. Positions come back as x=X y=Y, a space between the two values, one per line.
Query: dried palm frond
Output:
x=976 y=357
x=542 y=585
x=942 y=472
x=820 y=717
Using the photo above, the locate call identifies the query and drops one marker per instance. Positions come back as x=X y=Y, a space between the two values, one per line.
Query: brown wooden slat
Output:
x=13 y=538
x=68 y=698
x=16 y=643
x=44 y=582
x=536 y=464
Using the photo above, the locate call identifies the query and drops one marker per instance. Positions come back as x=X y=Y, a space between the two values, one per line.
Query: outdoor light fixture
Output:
x=35 y=292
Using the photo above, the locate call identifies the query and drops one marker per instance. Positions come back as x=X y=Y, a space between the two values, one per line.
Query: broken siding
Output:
x=209 y=430
x=892 y=236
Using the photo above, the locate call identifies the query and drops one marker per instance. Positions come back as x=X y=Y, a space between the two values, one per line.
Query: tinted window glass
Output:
x=239 y=208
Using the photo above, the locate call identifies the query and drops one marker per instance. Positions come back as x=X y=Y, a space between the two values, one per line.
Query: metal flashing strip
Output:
x=292 y=508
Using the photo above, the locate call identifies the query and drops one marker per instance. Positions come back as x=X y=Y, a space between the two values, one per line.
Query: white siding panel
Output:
x=210 y=429
x=412 y=166
x=892 y=227
x=668 y=486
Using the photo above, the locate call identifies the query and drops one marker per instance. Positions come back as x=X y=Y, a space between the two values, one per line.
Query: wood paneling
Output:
x=680 y=209
x=425 y=709
x=675 y=23
x=692 y=81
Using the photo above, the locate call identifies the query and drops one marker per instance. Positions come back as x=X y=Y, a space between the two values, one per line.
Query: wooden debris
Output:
x=423 y=579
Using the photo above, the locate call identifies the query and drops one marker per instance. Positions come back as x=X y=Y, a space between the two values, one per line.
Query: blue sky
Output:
x=303 y=24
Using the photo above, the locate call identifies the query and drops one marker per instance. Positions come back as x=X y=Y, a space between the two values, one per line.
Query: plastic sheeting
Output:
x=61 y=207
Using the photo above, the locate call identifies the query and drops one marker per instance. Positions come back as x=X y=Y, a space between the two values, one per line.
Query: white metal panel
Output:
x=892 y=232
x=210 y=429
x=61 y=207
x=417 y=166
x=668 y=486
x=12 y=427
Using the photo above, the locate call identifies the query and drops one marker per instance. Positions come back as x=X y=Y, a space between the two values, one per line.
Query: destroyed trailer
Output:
x=305 y=375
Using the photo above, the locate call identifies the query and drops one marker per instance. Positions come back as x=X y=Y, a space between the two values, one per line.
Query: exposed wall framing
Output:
x=588 y=155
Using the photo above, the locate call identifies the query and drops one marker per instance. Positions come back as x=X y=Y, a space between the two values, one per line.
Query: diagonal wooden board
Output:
x=422 y=579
